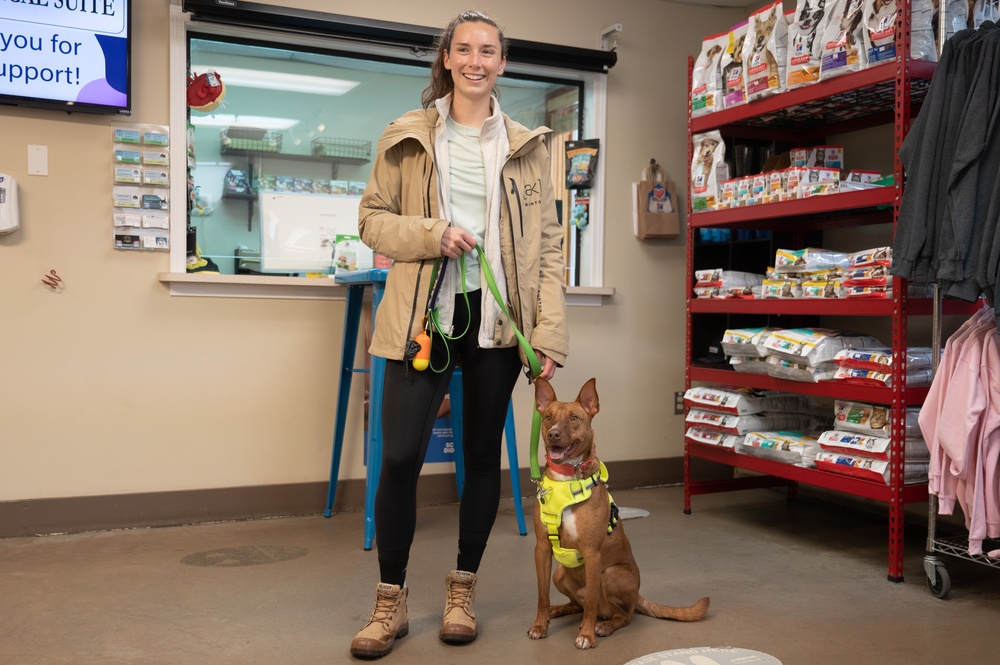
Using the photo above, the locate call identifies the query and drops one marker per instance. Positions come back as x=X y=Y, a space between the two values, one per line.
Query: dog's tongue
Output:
x=558 y=453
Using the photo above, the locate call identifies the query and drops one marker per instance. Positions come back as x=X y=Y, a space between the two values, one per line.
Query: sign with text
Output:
x=66 y=51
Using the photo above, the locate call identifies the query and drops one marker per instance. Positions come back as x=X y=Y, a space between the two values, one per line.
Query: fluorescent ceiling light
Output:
x=230 y=120
x=251 y=78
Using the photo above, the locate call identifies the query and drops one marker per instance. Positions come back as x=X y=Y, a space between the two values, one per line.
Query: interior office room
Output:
x=152 y=418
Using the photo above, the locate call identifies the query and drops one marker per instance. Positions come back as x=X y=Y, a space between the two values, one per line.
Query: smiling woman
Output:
x=301 y=116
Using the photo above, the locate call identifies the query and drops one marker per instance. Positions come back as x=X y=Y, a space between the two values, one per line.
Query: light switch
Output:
x=38 y=160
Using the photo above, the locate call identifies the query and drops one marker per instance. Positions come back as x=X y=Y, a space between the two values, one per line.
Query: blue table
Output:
x=356 y=283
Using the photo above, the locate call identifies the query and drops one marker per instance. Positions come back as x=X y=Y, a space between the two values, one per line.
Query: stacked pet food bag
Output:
x=783 y=427
x=859 y=444
x=773 y=425
x=806 y=273
x=774 y=51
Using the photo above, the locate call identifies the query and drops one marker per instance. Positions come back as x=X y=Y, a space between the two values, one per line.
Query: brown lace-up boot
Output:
x=388 y=622
x=459 y=623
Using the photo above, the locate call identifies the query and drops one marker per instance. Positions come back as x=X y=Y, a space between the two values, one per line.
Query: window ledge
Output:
x=588 y=296
x=210 y=285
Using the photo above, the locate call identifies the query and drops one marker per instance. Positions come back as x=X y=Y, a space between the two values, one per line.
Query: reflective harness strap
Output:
x=554 y=496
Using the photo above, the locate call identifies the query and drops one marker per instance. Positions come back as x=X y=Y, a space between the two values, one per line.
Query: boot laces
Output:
x=460 y=595
x=385 y=609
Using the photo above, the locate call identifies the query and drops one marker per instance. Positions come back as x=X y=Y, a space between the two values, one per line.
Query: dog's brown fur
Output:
x=606 y=586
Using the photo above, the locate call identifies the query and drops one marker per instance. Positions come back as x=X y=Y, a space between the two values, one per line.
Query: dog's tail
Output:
x=694 y=612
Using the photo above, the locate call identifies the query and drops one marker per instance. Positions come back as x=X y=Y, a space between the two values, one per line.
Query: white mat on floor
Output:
x=630 y=513
x=706 y=656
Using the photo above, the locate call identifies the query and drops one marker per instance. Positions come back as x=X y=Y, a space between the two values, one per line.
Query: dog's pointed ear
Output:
x=544 y=395
x=588 y=397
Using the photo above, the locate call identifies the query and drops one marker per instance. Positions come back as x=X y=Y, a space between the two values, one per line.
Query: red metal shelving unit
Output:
x=886 y=94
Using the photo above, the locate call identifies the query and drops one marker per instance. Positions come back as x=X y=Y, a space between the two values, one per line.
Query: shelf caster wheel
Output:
x=939 y=583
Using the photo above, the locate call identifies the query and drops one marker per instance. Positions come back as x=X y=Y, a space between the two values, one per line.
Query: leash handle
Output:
x=534 y=365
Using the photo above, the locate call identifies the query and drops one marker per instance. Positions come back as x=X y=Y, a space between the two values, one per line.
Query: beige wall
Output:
x=112 y=386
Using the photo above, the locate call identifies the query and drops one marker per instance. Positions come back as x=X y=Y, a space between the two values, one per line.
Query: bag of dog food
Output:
x=708 y=169
x=843 y=41
x=879 y=23
x=871 y=419
x=712 y=438
x=730 y=423
x=745 y=341
x=706 y=77
x=744 y=401
x=764 y=52
x=848 y=443
x=796 y=448
x=805 y=45
x=814 y=346
x=734 y=92
x=868 y=468
x=810 y=259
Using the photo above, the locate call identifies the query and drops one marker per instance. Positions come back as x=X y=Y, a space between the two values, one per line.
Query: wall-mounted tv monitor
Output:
x=72 y=55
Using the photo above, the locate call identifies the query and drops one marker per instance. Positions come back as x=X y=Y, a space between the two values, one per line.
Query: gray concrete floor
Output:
x=804 y=582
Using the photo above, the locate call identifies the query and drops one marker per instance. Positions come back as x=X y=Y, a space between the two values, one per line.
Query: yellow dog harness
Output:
x=555 y=496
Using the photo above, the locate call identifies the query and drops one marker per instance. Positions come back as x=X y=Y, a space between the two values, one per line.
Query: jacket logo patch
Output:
x=532 y=193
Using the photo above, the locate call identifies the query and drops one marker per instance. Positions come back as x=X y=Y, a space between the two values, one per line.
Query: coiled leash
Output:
x=422 y=342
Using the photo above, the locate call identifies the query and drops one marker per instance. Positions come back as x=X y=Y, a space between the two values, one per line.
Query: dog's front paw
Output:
x=537 y=632
x=586 y=641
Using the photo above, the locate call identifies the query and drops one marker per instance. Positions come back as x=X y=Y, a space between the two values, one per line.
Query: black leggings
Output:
x=410 y=404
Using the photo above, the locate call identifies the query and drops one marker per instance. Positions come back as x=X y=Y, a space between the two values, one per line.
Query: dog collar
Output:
x=565 y=469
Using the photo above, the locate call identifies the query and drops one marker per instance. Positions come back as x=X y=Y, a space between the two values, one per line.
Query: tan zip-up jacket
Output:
x=399 y=218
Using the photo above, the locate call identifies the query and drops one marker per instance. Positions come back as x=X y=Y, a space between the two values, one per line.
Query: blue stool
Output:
x=455 y=393
x=356 y=283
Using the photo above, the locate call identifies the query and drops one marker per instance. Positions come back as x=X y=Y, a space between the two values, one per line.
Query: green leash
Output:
x=533 y=364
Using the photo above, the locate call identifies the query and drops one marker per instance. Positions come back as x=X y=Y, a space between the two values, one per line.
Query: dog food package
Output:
x=880 y=360
x=814 y=346
x=879 y=256
x=726 y=278
x=706 y=77
x=871 y=419
x=868 y=468
x=745 y=341
x=764 y=52
x=781 y=368
x=871 y=377
x=843 y=42
x=712 y=438
x=849 y=443
x=796 y=448
x=821 y=289
x=805 y=45
x=708 y=169
x=780 y=288
x=731 y=423
x=868 y=291
x=734 y=91
x=879 y=30
x=809 y=259
x=744 y=401
x=748 y=364
x=870 y=276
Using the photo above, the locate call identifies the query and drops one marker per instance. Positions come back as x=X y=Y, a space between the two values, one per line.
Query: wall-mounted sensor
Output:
x=10 y=217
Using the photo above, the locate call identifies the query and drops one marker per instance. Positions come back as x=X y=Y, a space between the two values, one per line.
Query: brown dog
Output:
x=599 y=576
